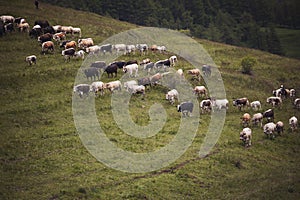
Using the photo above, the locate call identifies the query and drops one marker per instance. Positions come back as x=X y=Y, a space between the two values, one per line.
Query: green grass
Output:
x=290 y=42
x=42 y=156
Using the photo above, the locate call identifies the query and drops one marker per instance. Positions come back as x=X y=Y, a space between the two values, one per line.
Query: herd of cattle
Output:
x=49 y=36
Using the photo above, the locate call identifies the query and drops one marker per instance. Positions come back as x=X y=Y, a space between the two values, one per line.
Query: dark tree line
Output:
x=249 y=23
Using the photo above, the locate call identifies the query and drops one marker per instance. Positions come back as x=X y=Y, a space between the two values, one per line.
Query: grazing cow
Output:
x=257 y=118
x=47 y=46
x=218 y=104
x=143 y=48
x=274 y=101
x=277 y=93
x=9 y=27
x=161 y=49
x=269 y=130
x=180 y=73
x=92 y=72
x=113 y=85
x=269 y=115
x=137 y=89
x=96 y=87
x=246 y=118
x=23 y=27
x=131 y=62
x=67 y=29
x=297 y=103
x=241 y=102
x=155 y=78
x=292 y=93
x=172 y=95
x=255 y=105
x=93 y=49
x=205 y=105
x=35 y=32
x=48 y=29
x=200 y=91
x=20 y=20
x=71 y=44
x=57 y=28
x=99 y=64
x=119 y=47
x=7 y=19
x=195 y=73
x=84 y=43
x=206 y=70
x=293 y=122
x=37 y=27
x=149 y=66
x=76 y=30
x=130 y=69
x=42 y=23
x=129 y=84
x=82 y=89
x=144 y=81
x=279 y=127
x=68 y=53
x=106 y=48
x=186 y=108
x=245 y=136
x=162 y=63
x=120 y=64
x=111 y=69
x=79 y=54
x=45 y=37
x=130 y=48
x=145 y=61
x=59 y=36
x=31 y=59
x=173 y=60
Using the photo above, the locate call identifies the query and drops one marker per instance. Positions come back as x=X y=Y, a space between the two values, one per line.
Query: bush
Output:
x=247 y=64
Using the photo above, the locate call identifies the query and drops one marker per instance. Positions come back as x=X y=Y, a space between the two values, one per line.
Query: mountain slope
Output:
x=42 y=156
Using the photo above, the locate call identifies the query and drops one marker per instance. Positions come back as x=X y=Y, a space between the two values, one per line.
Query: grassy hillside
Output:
x=42 y=156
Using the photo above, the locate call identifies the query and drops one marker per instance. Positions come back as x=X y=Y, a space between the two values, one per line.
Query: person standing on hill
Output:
x=36 y=3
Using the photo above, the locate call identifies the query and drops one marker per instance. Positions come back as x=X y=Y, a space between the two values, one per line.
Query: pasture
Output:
x=42 y=156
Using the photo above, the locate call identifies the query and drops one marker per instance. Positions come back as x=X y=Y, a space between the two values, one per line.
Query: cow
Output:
x=68 y=53
x=76 y=30
x=19 y=20
x=45 y=37
x=219 y=104
x=206 y=70
x=180 y=73
x=200 y=91
x=106 y=48
x=257 y=119
x=145 y=61
x=31 y=59
x=120 y=64
x=130 y=48
x=143 y=48
x=85 y=42
x=47 y=46
x=241 y=103
x=149 y=66
x=9 y=27
x=161 y=49
x=24 y=27
x=246 y=119
x=205 y=105
x=79 y=54
x=154 y=79
x=145 y=81
x=92 y=72
x=82 y=89
x=173 y=60
x=99 y=64
x=255 y=105
x=97 y=86
x=42 y=23
x=113 y=85
x=119 y=47
x=195 y=73
x=293 y=122
x=93 y=49
x=279 y=127
x=246 y=136
x=186 y=108
x=48 y=29
x=297 y=103
x=274 y=101
x=130 y=69
x=292 y=92
x=137 y=89
x=172 y=95
x=57 y=28
x=7 y=19
x=162 y=64
x=269 y=130
x=71 y=44
x=269 y=115
x=67 y=29
x=59 y=36
x=36 y=31
x=129 y=84
x=111 y=69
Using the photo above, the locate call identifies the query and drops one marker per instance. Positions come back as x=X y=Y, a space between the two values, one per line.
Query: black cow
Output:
x=120 y=64
x=269 y=115
x=9 y=27
x=111 y=69
x=42 y=23
x=206 y=70
x=162 y=63
x=149 y=66
x=2 y=29
x=45 y=37
x=92 y=72
x=68 y=53
x=106 y=48
x=82 y=89
x=48 y=29
x=35 y=33
x=186 y=108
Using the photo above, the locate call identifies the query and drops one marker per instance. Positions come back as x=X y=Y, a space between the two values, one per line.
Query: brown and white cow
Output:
x=246 y=119
x=241 y=103
x=47 y=46
x=195 y=73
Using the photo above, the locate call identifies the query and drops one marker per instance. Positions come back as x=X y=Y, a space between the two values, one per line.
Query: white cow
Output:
x=96 y=87
x=134 y=89
x=220 y=103
x=172 y=95
x=205 y=105
x=293 y=122
x=200 y=91
x=93 y=49
x=131 y=68
x=76 y=30
x=257 y=118
x=31 y=59
x=255 y=105
x=269 y=129
x=79 y=54
x=120 y=47
x=129 y=84
x=246 y=136
x=113 y=85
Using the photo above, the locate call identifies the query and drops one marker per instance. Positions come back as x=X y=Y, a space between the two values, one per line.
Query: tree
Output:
x=247 y=64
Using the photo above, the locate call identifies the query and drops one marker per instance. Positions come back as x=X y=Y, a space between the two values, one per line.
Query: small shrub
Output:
x=247 y=64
